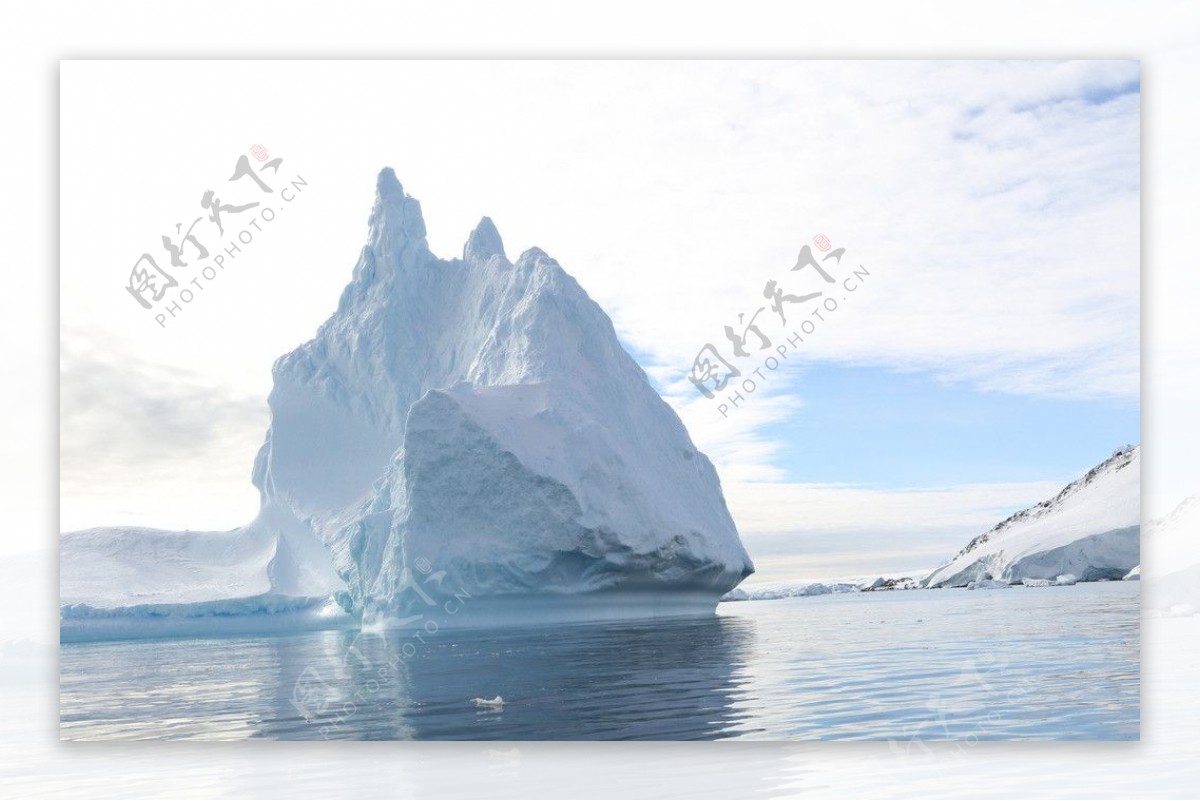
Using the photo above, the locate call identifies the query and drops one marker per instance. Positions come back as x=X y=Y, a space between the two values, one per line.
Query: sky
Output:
x=989 y=356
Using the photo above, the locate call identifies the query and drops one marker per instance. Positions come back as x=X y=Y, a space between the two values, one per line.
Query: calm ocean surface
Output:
x=1021 y=663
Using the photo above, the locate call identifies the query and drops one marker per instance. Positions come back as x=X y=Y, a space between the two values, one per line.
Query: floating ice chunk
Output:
x=489 y=704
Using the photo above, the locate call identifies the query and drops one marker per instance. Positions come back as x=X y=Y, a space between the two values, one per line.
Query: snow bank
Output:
x=1090 y=530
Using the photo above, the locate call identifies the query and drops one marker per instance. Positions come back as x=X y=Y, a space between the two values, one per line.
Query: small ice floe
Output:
x=1066 y=580
x=489 y=704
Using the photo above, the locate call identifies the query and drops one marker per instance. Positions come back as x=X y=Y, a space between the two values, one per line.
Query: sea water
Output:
x=904 y=666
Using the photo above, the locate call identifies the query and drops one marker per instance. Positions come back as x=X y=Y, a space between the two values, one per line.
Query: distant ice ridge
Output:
x=772 y=592
x=1065 y=580
x=1089 y=531
x=466 y=431
x=803 y=589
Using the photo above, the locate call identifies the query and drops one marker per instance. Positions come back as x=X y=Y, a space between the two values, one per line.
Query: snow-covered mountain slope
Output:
x=467 y=427
x=1089 y=530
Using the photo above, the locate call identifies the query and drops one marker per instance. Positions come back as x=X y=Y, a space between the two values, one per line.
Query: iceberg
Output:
x=465 y=433
x=1090 y=531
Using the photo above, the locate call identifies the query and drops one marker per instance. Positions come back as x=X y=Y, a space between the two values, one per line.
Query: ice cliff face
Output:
x=1090 y=530
x=477 y=420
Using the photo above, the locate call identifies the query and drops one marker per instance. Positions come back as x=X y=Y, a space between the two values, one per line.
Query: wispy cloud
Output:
x=146 y=445
x=995 y=203
x=825 y=531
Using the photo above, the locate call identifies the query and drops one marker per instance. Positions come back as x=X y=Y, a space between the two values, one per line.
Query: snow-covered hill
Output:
x=1089 y=530
x=457 y=428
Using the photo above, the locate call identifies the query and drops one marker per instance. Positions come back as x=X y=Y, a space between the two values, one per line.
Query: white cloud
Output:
x=148 y=446
x=816 y=531
x=776 y=508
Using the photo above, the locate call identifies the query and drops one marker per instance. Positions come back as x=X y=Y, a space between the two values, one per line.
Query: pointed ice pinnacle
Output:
x=483 y=243
x=397 y=226
x=387 y=184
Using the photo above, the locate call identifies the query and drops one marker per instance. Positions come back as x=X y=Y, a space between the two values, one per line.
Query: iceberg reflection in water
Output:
x=1039 y=663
